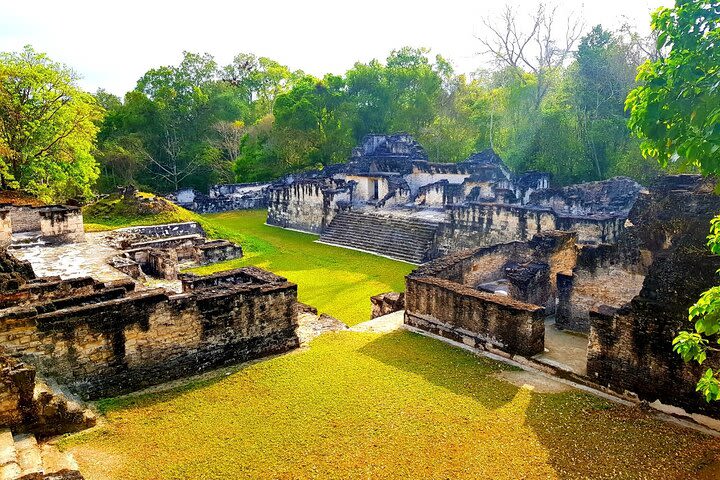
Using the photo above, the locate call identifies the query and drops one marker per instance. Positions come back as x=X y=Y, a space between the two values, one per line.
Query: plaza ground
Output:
x=373 y=405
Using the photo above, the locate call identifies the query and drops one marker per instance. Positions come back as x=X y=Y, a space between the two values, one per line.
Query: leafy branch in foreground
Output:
x=705 y=313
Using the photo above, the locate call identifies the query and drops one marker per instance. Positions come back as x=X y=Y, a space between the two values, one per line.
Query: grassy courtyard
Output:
x=359 y=405
x=336 y=281
x=362 y=405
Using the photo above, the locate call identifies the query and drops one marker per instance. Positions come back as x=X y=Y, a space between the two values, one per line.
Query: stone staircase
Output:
x=22 y=458
x=400 y=237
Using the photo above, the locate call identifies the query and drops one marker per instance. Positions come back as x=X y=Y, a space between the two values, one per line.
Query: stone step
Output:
x=58 y=410
x=22 y=458
x=397 y=228
x=378 y=240
x=397 y=237
x=393 y=218
x=9 y=468
x=395 y=256
x=374 y=226
x=396 y=225
x=397 y=243
x=29 y=457
x=58 y=465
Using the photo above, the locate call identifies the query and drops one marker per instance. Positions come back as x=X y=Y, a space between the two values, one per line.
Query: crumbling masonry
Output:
x=390 y=200
x=631 y=297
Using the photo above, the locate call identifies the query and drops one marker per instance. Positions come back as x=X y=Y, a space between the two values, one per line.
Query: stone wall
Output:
x=62 y=224
x=220 y=250
x=386 y=303
x=5 y=228
x=28 y=405
x=482 y=224
x=615 y=196
x=166 y=230
x=631 y=348
x=17 y=384
x=525 y=271
x=475 y=318
x=604 y=275
x=101 y=347
x=308 y=205
x=224 y=197
x=439 y=194
x=56 y=223
x=25 y=219
x=365 y=187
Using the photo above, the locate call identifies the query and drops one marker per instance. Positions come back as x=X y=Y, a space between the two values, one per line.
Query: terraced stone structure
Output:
x=629 y=298
x=491 y=297
x=48 y=224
x=223 y=197
x=159 y=250
x=102 y=338
x=390 y=200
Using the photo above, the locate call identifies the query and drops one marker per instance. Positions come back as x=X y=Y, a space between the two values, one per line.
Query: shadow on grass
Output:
x=166 y=392
x=442 y=365
x=584 y=436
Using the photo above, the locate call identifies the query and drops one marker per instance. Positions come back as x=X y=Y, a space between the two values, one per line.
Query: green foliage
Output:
x=176 y=128
x=676 y=107
x=705 y=315
x=690 y=346
x=47 y=128
x=709 y=386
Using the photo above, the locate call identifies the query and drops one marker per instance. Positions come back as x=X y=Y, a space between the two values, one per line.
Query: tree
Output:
x=676 y=107
x=47 y=128
x=599 y=81
x=540 y=50
x=676 y=111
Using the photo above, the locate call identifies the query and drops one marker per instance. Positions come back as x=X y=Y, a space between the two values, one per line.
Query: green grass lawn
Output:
x=359 y=405
x=336 y=281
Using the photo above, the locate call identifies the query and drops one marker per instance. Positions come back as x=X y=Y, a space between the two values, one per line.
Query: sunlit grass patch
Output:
x=379 y=406
x=336 y=281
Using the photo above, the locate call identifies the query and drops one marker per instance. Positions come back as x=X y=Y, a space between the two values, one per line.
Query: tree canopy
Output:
x=555 y=107
x=676 y=107
x=47 y=128
x=254 y=119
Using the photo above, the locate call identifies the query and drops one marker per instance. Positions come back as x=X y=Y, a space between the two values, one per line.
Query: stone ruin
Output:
x=161 y=250
x=51 y=224
x=390 y=200
x=624 y=302
x=223 y=197
x=101 y=339
x=134 y=321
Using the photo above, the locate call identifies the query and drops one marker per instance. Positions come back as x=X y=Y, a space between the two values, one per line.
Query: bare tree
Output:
x=639 y=47
x=228 y=141
x=540 y=48
x=172 y=169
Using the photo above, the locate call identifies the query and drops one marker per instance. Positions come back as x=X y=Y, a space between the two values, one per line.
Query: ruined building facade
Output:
x=223 y=197
x=389 y=199
x=630 y=298
x=49 y=224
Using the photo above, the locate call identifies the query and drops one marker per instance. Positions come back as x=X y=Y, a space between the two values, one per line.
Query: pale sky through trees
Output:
x=111 y=44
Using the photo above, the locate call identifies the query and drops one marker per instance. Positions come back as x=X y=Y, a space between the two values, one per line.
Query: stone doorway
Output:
x=564 y=349
x=375 y=189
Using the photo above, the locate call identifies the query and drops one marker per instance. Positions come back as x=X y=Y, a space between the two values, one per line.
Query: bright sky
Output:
x=111 y=44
